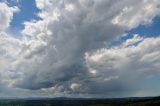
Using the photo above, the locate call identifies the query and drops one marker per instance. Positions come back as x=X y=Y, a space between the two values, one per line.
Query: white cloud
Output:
x=74 y=86
x=9 y=48
x=6 y=14
x=140 y=13
x=130 y=42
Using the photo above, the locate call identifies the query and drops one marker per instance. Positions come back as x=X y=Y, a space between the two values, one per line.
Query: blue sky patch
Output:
x=27 y=12
x=151 y=30
x=148 y=30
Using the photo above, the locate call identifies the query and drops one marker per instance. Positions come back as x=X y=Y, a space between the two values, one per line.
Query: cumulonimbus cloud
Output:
x=65 y=51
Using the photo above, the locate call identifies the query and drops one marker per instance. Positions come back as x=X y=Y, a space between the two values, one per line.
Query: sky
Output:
x=79 y=48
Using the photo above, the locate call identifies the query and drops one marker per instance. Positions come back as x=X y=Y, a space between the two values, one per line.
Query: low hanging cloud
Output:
x=64 y=53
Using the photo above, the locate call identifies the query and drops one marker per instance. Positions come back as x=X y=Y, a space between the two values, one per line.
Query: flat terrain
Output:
x=82 y=102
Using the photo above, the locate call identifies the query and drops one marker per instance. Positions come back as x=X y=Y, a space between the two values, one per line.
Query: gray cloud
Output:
x=70 y=35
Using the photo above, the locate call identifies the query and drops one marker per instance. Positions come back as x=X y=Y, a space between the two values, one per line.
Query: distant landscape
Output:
x=150 y=101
